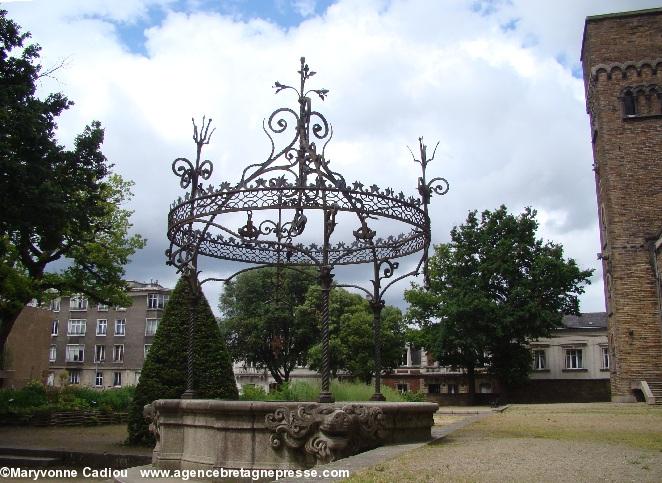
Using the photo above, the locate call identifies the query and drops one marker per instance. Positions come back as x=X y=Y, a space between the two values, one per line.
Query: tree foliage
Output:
x=351 y=342
x=57 y=204
x=260 y=319
x=273 y=320
x=493 y=288
x=164 y=373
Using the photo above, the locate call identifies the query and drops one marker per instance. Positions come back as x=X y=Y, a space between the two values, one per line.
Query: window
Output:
x=120 y=327
x=55 y=325
x=402 y=387
x=147 y=347
x=75 y=353
x=77 y=302
x=415 y=357
x=452 y=389
x=573 y=359
x=50 y=381
x=151 y=325
x=117 y=379
x=630 y=104
x=118 y=353
x=74 y=376
x=539 y=360
x=120 y=309
x=52 y=352
x=434 y=388
x=77 y=327
x=102 y=326
x=98 y=379
x=605 y=357
x=102 y=308
x=55 y=305
x=485 y=388
x=156 y=300
x=99 y=353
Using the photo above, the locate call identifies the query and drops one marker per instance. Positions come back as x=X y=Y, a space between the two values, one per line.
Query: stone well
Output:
x=206 y=434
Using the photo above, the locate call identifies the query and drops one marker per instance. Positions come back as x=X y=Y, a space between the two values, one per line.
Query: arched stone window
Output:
x=641 y=101
x=629 y=104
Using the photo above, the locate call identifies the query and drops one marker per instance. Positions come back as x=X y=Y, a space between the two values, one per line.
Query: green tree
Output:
x=164 y=372
x=57 y=204
x=260 y=322
x=351 y=343
x=494 y=288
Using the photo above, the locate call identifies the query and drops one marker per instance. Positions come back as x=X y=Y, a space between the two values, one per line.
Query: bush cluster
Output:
x=36 y=398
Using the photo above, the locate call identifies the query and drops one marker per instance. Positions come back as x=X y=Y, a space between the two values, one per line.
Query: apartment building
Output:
x=95 y=345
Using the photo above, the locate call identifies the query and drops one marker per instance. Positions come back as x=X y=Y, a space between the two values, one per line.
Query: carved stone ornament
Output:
x=152 y=416
x=325 y=432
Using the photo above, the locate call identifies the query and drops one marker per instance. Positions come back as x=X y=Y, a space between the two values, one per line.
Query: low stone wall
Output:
x=462 y=399
x=205 y=434
x=64 y=418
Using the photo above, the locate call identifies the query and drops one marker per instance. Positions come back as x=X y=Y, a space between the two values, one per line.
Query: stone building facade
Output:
x=622 y=63
x=570 y=366
x=28 y=337
x=100 y=346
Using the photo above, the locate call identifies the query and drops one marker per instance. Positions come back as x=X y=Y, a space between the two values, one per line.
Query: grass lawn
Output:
x=554 y=442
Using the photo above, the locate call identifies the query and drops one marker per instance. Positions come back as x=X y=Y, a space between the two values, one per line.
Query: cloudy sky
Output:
x=497 y=83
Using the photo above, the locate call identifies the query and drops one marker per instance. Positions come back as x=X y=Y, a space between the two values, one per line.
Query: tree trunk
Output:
x=278 y=379
x=471 y=374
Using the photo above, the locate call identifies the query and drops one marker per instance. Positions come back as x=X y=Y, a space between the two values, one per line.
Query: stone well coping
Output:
x=165 y=406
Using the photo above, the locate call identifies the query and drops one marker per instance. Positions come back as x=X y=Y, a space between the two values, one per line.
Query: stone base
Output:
x=206 y=434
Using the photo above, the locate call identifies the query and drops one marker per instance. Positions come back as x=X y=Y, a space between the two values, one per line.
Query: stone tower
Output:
x=622 y=62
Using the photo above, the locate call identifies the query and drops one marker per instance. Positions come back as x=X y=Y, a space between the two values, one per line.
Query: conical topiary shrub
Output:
x=164 y=372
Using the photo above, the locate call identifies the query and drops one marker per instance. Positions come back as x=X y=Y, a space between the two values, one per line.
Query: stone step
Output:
x=656 y=388
x=23 y=461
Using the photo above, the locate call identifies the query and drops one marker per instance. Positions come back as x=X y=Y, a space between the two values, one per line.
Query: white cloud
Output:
x=508 y=112
x=305 y=8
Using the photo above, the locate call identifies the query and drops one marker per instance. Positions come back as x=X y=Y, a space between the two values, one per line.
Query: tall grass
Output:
x=308 y=391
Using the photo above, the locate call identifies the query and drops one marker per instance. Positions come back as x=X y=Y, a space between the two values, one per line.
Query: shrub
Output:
x=253 y=393
x=164 y=372
x=116 y=399
x=33 y=394
x=37 y=401
x=414 y=396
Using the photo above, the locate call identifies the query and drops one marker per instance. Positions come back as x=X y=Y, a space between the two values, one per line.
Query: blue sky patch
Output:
x=284 y=13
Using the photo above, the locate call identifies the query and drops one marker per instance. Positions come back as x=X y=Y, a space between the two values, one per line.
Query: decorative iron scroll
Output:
x=325 y=432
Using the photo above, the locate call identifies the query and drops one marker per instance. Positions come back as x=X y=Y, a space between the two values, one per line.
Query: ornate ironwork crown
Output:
x=280 y=196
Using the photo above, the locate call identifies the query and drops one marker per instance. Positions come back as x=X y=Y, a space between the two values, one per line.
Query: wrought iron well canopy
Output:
x=288 y=199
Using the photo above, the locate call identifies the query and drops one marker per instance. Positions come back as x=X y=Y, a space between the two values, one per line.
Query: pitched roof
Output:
x=590 y=320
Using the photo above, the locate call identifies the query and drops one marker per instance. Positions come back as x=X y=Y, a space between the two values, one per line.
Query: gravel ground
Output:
x=550 y=443
x=89 y=439
x=94 y=439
